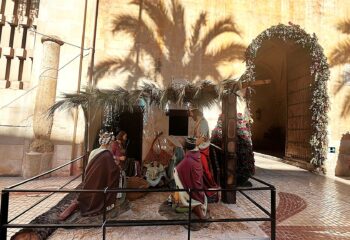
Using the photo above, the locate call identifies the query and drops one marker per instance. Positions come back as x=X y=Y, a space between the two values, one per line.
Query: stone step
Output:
x=18 y=85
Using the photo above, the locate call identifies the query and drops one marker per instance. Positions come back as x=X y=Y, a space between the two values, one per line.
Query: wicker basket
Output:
x=138 y=183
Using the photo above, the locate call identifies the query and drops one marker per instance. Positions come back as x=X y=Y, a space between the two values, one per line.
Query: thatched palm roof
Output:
x=201 y=94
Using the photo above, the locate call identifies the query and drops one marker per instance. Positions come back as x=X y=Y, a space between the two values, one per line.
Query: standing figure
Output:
x=100 y=173
x=118 y=148
x=129 y=165
x=201 y=133
x=118 y=152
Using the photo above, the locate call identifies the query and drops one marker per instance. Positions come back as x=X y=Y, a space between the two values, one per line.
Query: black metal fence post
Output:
x=5 y=223
x=4 y=214
x=189 y=215
x=273 y=214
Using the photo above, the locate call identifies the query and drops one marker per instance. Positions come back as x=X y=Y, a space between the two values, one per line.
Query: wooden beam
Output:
x=228 y=180
x=256 y=83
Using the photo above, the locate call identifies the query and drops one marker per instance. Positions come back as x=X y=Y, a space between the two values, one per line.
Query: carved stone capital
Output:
x=52 y=38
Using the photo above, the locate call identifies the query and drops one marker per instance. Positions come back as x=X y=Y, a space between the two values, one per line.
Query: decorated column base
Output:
x=36 y=163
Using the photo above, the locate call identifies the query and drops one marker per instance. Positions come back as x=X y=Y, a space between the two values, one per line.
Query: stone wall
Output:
x=64 y=19
x=58 y=18
x=319 y=17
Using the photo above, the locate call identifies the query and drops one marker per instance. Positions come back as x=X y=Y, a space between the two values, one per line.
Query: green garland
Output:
x=319 y=70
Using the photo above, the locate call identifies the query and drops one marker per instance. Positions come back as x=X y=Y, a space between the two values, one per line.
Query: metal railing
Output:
x=5 y=223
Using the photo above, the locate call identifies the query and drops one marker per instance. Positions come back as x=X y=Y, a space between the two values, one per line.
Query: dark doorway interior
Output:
x=281 y=109
x=178 y=122
x=132 y=124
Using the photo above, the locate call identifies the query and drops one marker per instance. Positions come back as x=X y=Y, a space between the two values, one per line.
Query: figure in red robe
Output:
x=201 y=133
x=188 y=174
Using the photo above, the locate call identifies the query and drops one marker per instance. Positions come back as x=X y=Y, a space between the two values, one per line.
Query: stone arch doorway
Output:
x=281 y=106
x=290 y=102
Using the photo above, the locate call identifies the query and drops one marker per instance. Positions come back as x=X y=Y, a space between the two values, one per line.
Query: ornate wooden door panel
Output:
x=298 y=107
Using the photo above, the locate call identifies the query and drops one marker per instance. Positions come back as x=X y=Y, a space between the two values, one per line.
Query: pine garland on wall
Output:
x=320 y=73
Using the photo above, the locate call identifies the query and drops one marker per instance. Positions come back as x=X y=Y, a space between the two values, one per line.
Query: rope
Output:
x=70 y=44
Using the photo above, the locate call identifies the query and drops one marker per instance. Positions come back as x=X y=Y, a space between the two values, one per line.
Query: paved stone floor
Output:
x=309 y=206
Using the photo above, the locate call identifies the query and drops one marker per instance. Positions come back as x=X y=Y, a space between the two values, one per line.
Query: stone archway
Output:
x=290 y=111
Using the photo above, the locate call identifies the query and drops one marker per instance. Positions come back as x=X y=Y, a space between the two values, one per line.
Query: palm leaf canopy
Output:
x=202 y=94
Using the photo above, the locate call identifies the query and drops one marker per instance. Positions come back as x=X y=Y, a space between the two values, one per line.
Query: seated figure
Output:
x=188 y=174
x=154 y=174
x=100 y=173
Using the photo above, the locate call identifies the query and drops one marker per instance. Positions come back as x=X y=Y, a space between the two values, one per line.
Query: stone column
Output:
x=41 y=149
x=229 y=109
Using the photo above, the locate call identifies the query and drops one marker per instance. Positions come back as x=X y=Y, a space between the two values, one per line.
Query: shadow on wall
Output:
x=340 y=56
x=174 y=53
x=343 y=164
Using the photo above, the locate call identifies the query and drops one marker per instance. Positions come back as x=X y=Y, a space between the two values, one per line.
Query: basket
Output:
x=162 y=156
x=137 y=183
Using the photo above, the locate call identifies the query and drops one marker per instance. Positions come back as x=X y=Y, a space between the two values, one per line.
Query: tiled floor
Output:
x=20 y=202
x=309 y=206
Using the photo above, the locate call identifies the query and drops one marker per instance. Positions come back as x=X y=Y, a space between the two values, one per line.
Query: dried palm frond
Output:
x=119 y=98
x=72 y=100
x=229 y=86
x=206 y=94
x=202 y=94
x=151 y=93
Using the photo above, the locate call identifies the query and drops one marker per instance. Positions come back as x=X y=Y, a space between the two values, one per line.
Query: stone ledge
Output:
x=16 y=85
x=21 y=53
x=25 y=21
x=8 y=52
x=12 y=20
x=29 y=53
x=52 y=38
x=4 y=84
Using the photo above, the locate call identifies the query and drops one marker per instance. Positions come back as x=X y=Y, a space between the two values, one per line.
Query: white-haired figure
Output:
x=100 y=173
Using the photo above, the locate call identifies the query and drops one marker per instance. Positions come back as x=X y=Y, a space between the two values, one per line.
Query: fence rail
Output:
x=5 y=223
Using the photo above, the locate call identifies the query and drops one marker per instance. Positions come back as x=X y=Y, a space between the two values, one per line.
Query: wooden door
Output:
x=299 y=89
